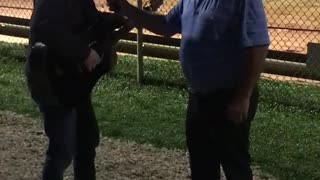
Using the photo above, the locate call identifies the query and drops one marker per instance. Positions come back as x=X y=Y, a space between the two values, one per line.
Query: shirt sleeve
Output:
x=173 y=18
x=254 y=25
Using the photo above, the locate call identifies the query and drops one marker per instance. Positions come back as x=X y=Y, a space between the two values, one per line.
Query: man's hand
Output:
x=237 y=110
x=116 y=5
x=92 y=61
x=155 y=23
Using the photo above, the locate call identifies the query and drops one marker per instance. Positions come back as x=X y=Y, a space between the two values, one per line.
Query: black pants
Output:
x=212 y=140
x=72 y=132
x=73 y=135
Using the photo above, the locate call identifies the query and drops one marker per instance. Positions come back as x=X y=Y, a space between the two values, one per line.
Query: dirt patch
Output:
x=23 y=145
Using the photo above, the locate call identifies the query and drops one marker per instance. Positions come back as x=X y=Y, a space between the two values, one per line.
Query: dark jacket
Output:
x=66 y=28
x=62 y=25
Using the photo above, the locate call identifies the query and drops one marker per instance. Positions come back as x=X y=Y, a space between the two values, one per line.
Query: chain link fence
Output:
x=293 y=64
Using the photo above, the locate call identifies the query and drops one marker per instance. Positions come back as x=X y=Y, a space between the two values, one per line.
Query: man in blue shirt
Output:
x=223 y=48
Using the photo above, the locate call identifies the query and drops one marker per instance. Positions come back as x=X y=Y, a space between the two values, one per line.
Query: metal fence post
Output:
x=140 y=71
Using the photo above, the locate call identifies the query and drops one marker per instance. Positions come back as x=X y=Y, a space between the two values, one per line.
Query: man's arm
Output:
x=159 y=24
x=255 y=42
x=253 y=67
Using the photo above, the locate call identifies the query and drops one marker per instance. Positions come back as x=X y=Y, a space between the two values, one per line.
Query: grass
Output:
x=285 y=134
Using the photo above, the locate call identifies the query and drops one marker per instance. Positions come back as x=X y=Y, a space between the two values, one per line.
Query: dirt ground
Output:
x=297 y=14
x=22 y=146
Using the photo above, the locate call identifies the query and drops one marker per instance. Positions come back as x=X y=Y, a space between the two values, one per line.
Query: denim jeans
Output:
x=72 y=132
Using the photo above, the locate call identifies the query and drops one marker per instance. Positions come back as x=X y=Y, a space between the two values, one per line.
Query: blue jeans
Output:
x=72 y=132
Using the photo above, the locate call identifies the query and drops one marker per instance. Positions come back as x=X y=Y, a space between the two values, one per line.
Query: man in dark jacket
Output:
x=62 y=28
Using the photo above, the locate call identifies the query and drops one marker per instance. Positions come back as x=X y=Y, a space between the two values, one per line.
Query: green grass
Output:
x=285 y=133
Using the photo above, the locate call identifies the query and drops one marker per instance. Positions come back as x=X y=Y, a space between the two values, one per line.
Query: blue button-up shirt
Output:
x=214 y=35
